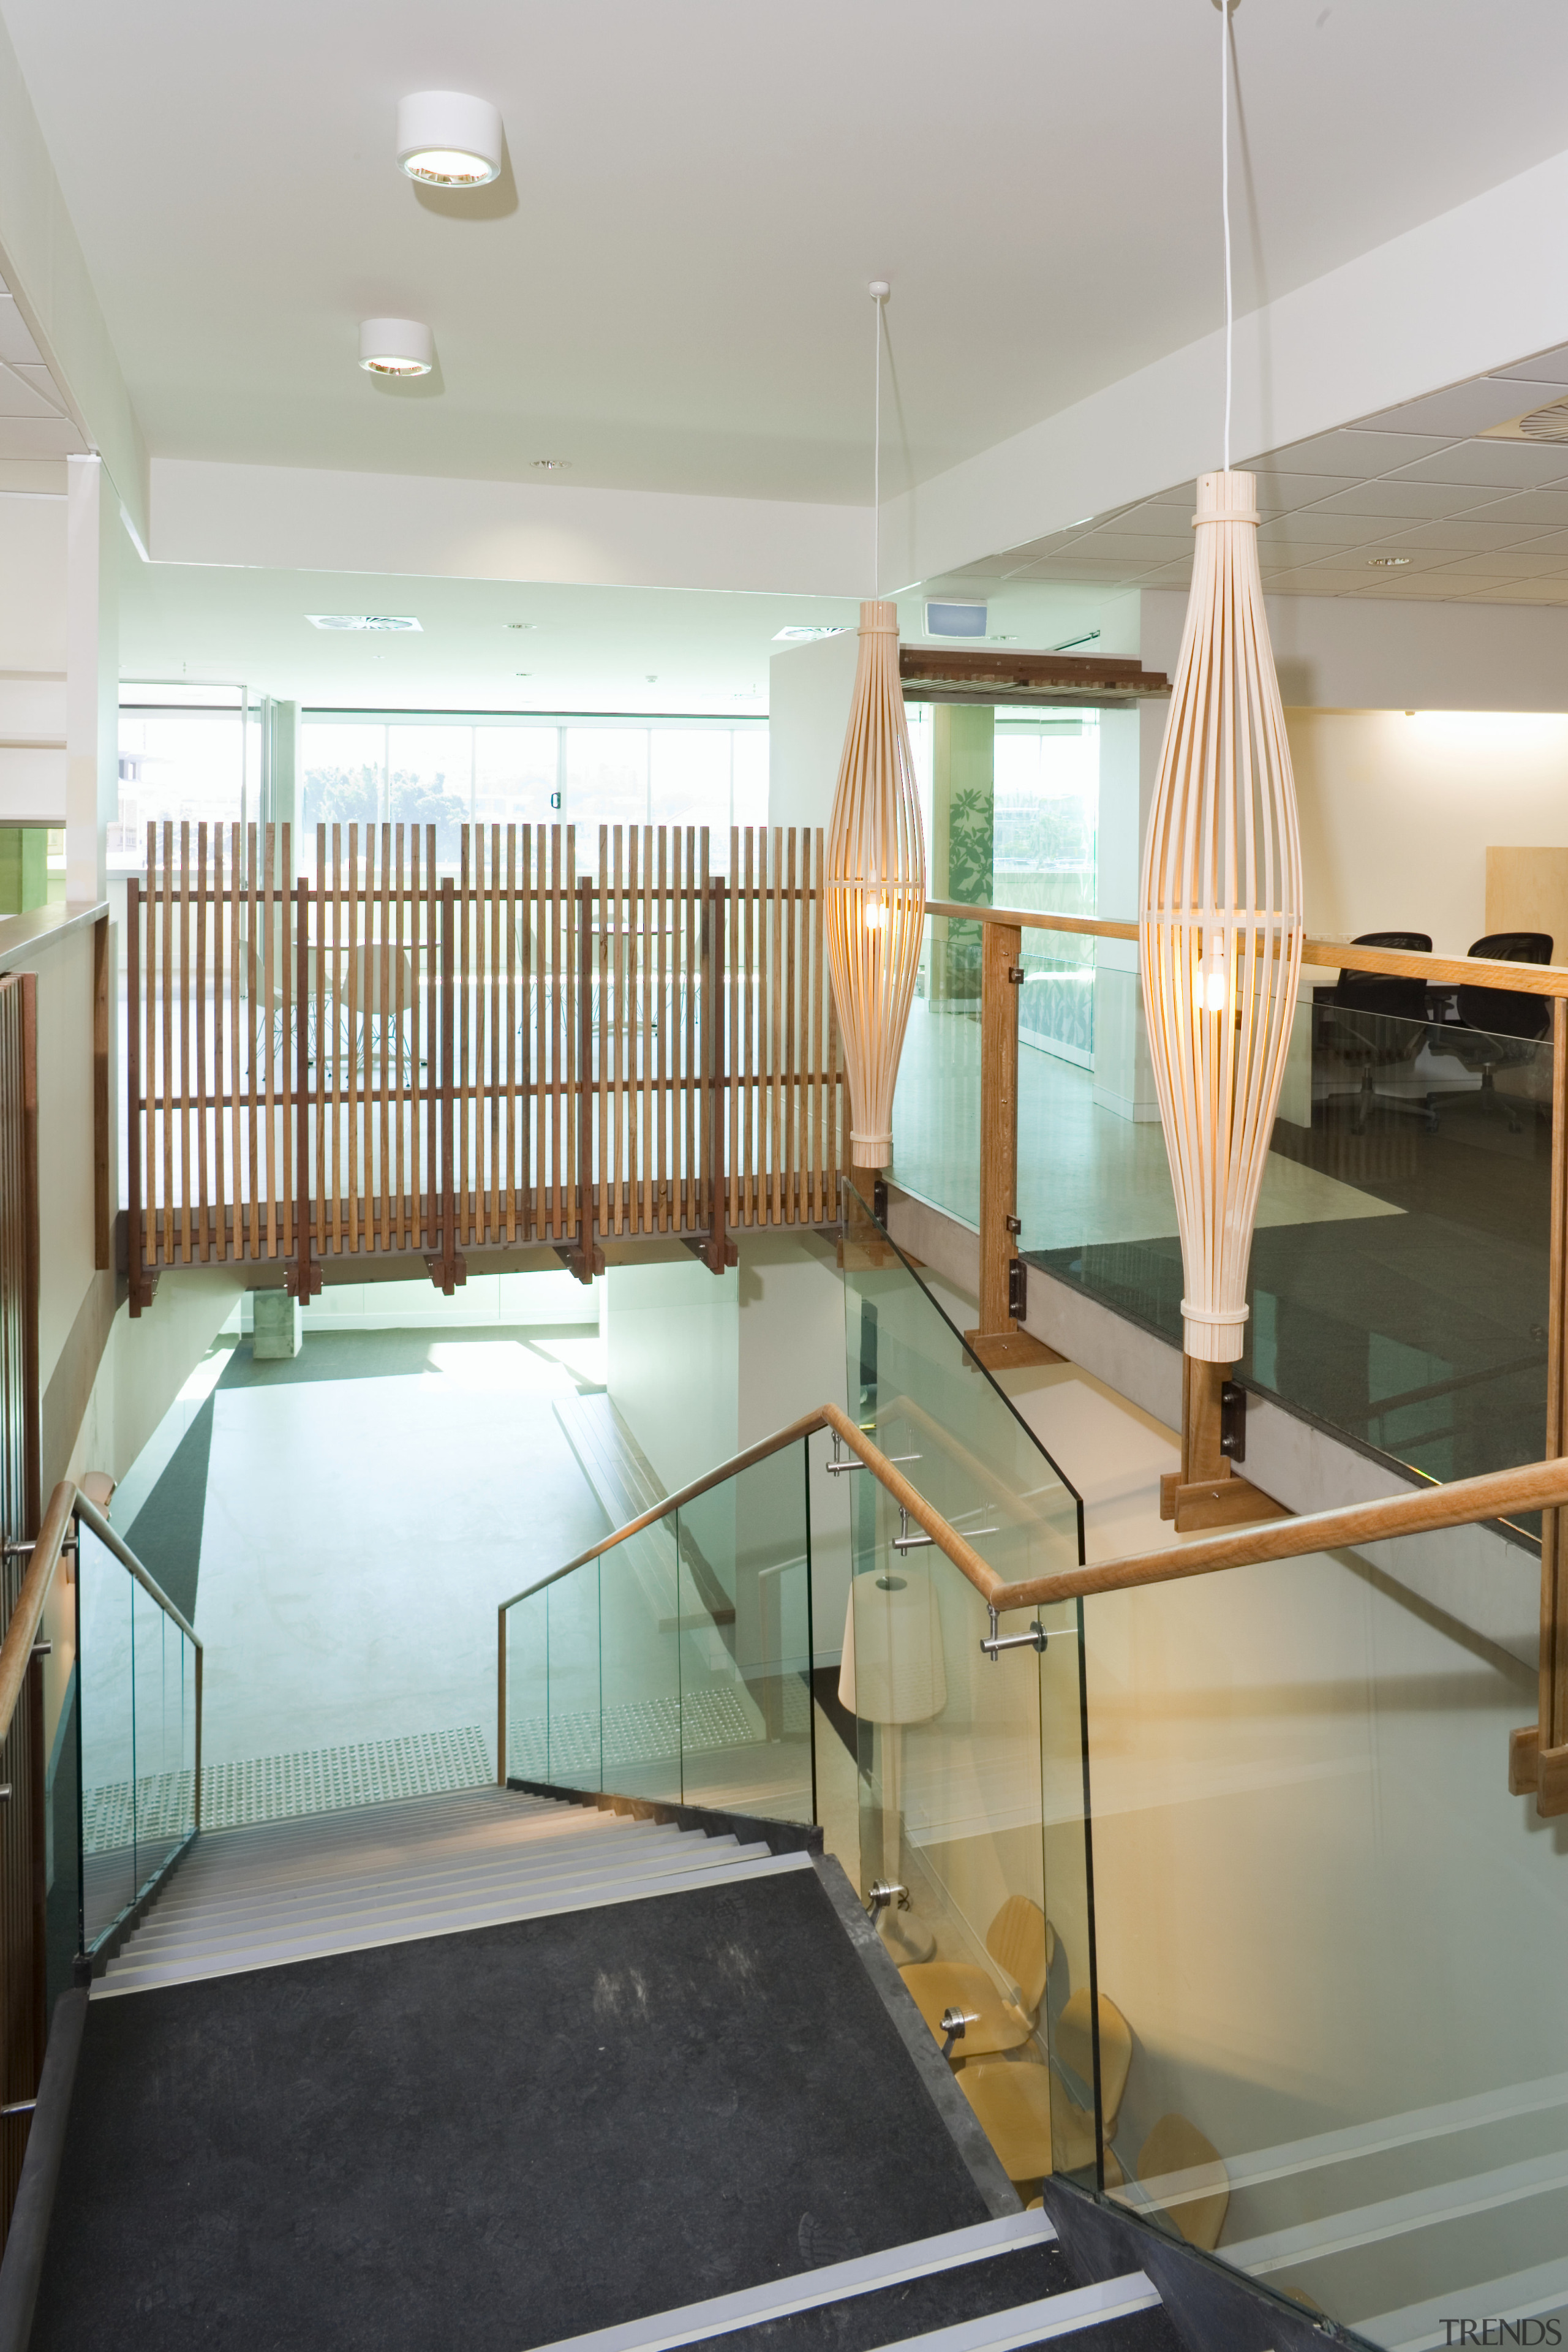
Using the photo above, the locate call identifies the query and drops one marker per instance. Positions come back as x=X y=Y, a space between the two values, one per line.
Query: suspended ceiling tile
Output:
x=20 y=397
x=1507 y=563
x=1279 y=488
x=1525 y=592
x=1185 y=494
x=1168 y=575
x=1546 y=367
x=1330 y=529
x=1132 y=551
x=1546 y=543
x=1402 y=498
x=1505 y=465
x=1464 y=536
x=1147 y=522
x=39 y=437
x=1547 y=507
x=1355 y=455
x=1466 y=408
x=15 y=343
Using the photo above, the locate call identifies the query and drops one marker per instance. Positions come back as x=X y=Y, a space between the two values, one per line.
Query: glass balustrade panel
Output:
x=164 y=1696
x=107 y=1697
x=1398 y=1275
x=526 y=1636
x=936 y=1104
x=640 y=1612
x=1329 y=1940
x=744 y=1551
x=937 y=1414
x=993 y=1926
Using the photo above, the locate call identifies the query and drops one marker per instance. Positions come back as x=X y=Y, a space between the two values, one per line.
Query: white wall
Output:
x=547 y=1297
x=1397 y=814
x=810 y=689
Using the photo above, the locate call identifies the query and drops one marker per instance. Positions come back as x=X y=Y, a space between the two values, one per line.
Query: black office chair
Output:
x=1499 y=1028
x=1372 y=1020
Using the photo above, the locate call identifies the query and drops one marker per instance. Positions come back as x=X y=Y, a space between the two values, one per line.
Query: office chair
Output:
x=1370 y=1019
x=1505 y=1028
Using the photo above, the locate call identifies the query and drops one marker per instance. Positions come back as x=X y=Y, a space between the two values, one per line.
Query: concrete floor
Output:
x=1084 y=1175
x=360 y=1532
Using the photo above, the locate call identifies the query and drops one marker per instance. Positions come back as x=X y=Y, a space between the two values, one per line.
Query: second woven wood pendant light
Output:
x=876 y=869
x=1220 y=933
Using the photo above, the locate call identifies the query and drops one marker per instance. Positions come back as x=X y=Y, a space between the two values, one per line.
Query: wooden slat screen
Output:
x=499 y=1049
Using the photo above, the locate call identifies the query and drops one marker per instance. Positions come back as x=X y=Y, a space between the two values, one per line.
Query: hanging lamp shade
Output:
x=875 y=888
x=1220 y=916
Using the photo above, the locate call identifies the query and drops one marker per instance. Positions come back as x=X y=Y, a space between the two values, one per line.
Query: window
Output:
x=178 y=764
x=432 y=769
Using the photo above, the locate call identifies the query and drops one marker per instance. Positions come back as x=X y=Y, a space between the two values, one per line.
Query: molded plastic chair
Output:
x=1177 y=2157
x=1021 y=1941
x=1074 y=2047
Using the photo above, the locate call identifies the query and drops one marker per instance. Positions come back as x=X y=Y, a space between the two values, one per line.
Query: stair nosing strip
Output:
x=115 y=1986
x=1038 y=2323
x=191 y=1897
x=752 y=2307
x=187 y=1934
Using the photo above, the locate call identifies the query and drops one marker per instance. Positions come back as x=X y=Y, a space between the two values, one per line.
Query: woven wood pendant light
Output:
x=1219 y=920
x=1220 y=926
x=876 y=873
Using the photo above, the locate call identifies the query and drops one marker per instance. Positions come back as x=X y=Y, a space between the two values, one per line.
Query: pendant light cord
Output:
x=1224 y=6
x=877 y=297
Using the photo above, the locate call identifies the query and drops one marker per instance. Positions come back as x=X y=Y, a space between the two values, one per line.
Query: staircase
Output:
x=506 y=2071
x=301 y=1889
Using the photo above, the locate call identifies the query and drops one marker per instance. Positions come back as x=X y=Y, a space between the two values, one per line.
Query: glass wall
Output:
x=426 y=769
x=181 y=763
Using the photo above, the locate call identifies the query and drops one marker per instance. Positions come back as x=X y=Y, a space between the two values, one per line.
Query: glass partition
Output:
x=677 y=1665
x=1334 y=2011
x=1398 y=1281
x=991 y=1851
x=136 y=1693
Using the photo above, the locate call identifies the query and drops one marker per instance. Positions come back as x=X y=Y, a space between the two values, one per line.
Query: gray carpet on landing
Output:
x=492 y=2139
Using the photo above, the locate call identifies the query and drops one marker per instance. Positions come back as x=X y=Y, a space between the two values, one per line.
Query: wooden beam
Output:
x=990 y=674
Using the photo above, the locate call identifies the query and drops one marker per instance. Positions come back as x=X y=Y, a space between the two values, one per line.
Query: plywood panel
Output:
x=1527 y=890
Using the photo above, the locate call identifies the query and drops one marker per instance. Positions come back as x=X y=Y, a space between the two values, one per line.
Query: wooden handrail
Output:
x=16 y=1650
x=1345 y=955
x=1533 y=1487
x=68 y=1502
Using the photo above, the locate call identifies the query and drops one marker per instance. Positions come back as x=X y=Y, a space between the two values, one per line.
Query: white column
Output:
x=92 y=674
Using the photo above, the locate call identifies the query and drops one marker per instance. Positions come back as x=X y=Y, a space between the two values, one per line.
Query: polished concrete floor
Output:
x=341 y=1528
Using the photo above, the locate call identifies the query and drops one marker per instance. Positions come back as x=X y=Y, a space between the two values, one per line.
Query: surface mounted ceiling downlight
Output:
x=395 y=347
x=448 y=140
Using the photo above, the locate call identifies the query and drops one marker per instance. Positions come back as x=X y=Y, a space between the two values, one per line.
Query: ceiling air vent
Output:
x=1549 y=424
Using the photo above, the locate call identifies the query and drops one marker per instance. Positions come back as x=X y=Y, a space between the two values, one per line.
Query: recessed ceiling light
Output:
x=522 y=625
x=362 y=621
x=522 y=673
x=1386 y=562
x=395 y=347
x=448 y=141
x=1003 y=641
x=798 y=636
x=553 y=465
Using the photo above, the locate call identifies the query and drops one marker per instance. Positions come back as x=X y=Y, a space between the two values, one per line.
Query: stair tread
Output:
x=202 y=1930
x=125 y=1976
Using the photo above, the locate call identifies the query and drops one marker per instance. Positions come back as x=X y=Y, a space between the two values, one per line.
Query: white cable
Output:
x=877 y=293
x=1225 y=200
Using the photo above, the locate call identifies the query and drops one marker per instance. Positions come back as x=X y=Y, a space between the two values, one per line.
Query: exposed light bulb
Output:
x=1215 y=976
x=876 y=913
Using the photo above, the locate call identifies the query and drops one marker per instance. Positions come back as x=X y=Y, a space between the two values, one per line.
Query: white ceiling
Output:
x=667 y=287
x=1468 y=519
x=660 y=650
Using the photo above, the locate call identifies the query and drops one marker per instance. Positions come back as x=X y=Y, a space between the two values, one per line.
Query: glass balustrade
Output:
x=135 y=1696
x=676 y=1664
x=1398 y=1279
x=1328 y=1940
